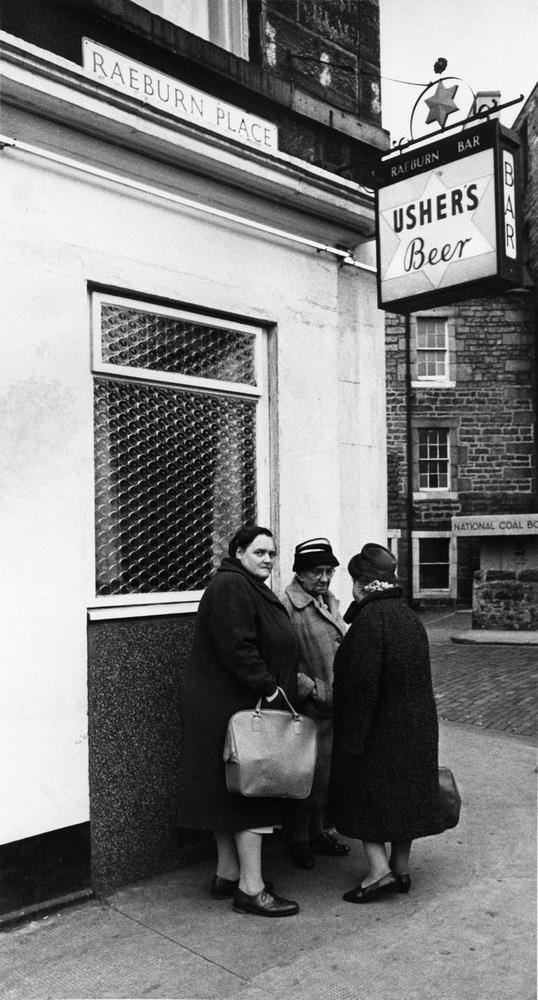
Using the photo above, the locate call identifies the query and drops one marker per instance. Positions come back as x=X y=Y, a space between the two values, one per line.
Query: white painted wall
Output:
x=59 y=231
x=46 y=516
x=362 y=413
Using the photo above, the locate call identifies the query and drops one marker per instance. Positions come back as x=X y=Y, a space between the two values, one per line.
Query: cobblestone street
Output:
x=490 y=686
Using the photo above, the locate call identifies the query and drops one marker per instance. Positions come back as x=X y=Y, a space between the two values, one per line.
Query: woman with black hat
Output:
x=384 y=781
x=319 y=627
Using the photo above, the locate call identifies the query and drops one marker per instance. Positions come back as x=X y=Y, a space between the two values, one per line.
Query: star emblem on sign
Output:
x=442 y=104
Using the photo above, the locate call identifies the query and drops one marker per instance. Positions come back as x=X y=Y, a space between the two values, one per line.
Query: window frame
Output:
x=445 y=381
x=393 y=538
x=141 y=604
x=451 y=590
x=226 y=20
x=434 y=490
x=234 y=23
x=451 y=424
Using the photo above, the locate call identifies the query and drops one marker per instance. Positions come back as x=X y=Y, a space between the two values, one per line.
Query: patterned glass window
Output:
x=137 y=338
x=432 y=348
x=433 y=459
x=176 y=429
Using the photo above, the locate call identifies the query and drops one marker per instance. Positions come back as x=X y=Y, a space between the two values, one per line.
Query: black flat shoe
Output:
x=403 y=883
x=326 y=843
x=264 y=904
x=371 y=893
x=301 y=855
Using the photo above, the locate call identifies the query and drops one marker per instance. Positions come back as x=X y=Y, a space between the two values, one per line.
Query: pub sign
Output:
x=448 y=225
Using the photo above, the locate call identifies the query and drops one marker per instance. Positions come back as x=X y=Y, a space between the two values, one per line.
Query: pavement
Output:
x=458 y=624
x=466 y=931
x=490 y=685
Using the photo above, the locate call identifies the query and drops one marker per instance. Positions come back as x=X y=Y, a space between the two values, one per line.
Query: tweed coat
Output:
x=384 y=781
x=243 y=646
x=319 y=629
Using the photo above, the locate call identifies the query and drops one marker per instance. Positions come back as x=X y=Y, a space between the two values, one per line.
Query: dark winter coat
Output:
x=384 y=781
x=244 y=645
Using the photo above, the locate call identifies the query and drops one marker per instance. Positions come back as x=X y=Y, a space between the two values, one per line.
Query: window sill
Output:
x=114 y=611
x=432 y=384
x=435 y=495
x=445 y=592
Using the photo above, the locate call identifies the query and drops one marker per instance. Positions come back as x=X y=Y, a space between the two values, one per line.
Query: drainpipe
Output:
x=409 y=459
x=535 y=318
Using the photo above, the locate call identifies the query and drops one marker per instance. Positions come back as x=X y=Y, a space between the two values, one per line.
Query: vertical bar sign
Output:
x=510 y=235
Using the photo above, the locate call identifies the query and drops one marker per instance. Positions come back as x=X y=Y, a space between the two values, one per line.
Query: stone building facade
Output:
x=462 y=417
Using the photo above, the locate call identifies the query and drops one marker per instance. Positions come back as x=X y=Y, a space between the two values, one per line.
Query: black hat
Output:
x=314 y=552
x=373 y=562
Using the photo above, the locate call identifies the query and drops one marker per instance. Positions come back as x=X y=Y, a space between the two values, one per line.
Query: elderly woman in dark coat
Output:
x=244 y=647
x=384 y=782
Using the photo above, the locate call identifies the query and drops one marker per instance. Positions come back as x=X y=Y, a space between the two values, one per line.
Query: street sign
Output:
x=471 y=525
x=448 y=224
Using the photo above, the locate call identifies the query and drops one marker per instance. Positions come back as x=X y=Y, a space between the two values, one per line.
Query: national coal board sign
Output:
x=448 y=224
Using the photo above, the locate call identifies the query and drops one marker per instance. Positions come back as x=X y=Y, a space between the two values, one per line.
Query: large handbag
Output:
x=449 y=800
x=270 y=753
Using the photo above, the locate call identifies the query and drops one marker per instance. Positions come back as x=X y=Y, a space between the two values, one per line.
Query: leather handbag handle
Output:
x=293 y=711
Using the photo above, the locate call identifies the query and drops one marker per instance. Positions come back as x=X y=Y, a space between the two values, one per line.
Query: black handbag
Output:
x=449 y=800
x=270 y=753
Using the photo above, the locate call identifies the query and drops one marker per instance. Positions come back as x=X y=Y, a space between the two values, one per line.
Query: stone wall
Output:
x=135 y=677
x=318 y=45
x=506 y=599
